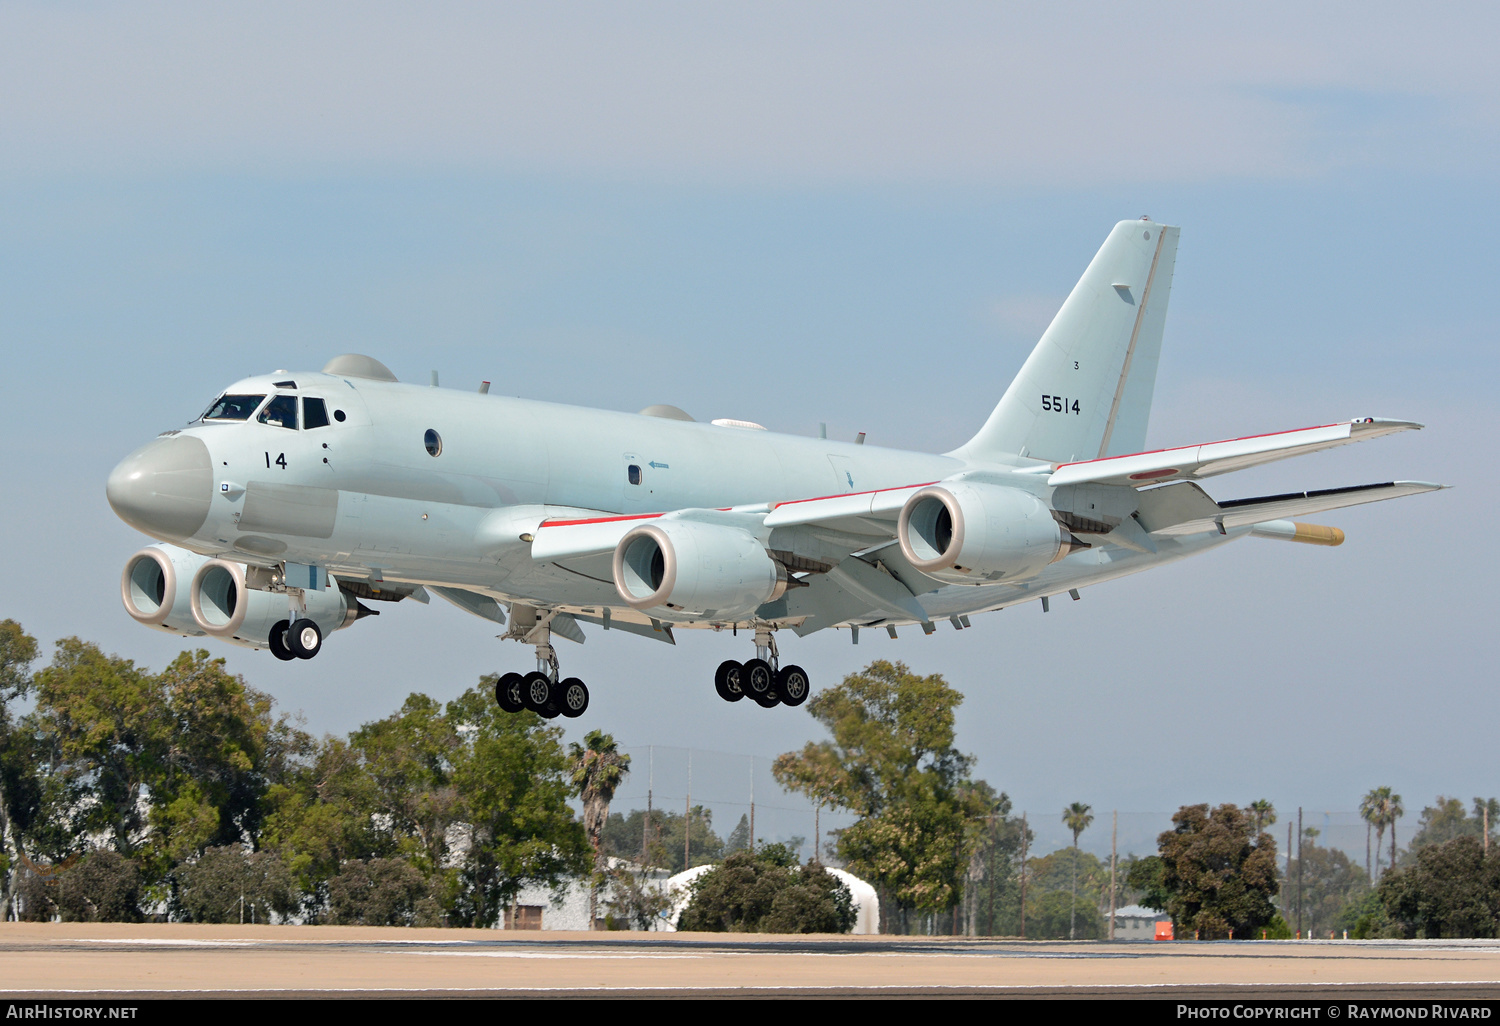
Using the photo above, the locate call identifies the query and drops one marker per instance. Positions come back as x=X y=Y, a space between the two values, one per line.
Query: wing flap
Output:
x=1245 y=512
x=1194 y=462
x=883 y=504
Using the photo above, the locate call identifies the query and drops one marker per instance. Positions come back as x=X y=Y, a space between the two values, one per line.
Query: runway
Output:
x=39 y=960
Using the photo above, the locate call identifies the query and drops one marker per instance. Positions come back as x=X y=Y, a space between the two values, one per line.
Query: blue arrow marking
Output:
x=658 y=466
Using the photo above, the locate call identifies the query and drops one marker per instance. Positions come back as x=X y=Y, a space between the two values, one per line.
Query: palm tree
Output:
x=1369 y=811
x=1264 y=813
x=598 y=770
x=1076 y=817
x=1393 y=812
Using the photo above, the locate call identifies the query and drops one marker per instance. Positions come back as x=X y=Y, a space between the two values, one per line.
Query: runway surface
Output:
x=119 y=960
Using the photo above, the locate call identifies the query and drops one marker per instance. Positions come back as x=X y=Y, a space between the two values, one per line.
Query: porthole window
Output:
x=338 y=415
x=633 y=474
x=433 y=441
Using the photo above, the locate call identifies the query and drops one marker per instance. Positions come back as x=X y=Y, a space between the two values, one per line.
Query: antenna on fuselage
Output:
x=434 y=379
x=484 y=388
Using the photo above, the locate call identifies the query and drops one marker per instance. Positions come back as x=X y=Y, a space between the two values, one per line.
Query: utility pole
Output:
x=752 y=805
x=1286 y=892
x=646 y=826
x=687 y=820
x=1114 y=836
x=1299 y=872
x=1024 y=847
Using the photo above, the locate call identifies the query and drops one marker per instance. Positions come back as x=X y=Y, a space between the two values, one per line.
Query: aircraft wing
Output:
x=858 y=513
x=1193 y=462
x=1185 y=508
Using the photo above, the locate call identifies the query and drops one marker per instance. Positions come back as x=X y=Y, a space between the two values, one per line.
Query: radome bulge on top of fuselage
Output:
x=298 y=497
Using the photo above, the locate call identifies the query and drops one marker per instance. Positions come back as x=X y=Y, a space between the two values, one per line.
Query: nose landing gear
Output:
x=763 y=679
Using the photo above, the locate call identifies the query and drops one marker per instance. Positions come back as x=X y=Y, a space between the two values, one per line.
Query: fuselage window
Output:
x=633 y=472
x=314 y=413
x=232 y=407
x=281 y=411
x=433 y=442
x=338 y=415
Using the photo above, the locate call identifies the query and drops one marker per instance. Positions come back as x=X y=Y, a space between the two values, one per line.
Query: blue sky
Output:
x=855 y=214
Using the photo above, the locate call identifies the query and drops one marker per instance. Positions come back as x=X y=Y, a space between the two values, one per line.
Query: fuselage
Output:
x=390 y=482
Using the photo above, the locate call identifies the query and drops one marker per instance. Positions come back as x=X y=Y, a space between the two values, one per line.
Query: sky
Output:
x=862 y=215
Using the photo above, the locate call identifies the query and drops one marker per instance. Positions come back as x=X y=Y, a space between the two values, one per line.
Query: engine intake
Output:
x=972 y=533
x=224 y=606
x=708 y=570
x=152 y=588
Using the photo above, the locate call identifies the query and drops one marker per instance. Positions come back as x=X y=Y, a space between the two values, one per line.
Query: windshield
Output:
x=232 y=407
x=281 y=411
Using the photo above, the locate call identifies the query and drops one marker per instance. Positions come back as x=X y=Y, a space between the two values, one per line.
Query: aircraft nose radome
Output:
x=164 y=488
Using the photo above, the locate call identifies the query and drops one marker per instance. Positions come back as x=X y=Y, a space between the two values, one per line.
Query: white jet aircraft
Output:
x=297 y=497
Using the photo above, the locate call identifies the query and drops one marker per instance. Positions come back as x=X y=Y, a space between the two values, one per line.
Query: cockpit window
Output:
x=314 y=413
x=281 y=411
x=232 y=407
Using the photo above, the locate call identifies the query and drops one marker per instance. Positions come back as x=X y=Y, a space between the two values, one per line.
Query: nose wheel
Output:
x=761 y=679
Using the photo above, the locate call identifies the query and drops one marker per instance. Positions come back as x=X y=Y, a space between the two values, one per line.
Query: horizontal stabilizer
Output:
x=1193 y=462
x=1185 y=509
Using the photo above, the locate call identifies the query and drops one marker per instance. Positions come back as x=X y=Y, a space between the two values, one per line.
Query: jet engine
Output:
x=224 y=606
x=709 y=570
x=966 y=532
x=153 y=587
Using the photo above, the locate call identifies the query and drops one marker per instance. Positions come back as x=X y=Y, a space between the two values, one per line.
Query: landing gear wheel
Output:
x=792 y=686
x=727 y=680
x=277 y=641
x=767 y=699
x=574 y=697
x=536 y=692
x=756 y=679
x=508 y=692
x=304 y=639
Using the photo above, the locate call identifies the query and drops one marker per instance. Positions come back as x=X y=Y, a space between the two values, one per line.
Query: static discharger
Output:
x=1308 y=534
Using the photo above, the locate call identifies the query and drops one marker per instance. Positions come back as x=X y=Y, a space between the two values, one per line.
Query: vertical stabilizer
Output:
x=1085 y=390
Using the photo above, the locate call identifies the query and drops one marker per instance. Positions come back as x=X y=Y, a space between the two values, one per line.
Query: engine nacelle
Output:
x=225 y=607
x=154 y=588
x=707 y=570
x=966 y=532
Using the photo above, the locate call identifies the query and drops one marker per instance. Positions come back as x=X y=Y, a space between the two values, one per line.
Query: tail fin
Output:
x=1085 y=391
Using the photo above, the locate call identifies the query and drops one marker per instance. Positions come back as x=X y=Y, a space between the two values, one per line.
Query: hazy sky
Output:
x=862 y=214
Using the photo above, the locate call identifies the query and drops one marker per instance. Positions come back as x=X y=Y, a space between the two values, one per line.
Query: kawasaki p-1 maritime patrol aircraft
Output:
x=299 y=497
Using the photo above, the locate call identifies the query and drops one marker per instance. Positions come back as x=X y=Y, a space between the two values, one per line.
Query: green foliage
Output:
x=1453 y=890
x=382 y=892
x=766 y=892
x=1276 y=929
x=992 y=886
x=104 y=887
x=622 y=836
x=636 y=900
x=892 y=762
x=231 y=885
x=1447 y=819
x=1052 y=915
x=1220 y=876
x=1329 y=882
x=1144 y=875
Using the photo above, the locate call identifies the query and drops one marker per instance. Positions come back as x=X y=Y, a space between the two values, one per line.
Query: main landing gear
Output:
x=540 y=690
x=763 y=679
x=296 y=637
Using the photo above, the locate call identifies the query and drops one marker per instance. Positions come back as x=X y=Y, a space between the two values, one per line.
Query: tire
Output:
x=767 y=699
x=304 y=638
x=792 y=686
x=756 y=679
x=276 y=641
x=727 y=680
x=536 y=691
x=574 y=699
x=508 y=693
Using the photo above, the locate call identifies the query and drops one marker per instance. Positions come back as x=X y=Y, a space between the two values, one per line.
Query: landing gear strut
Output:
x=541 y=691
x=763 y=678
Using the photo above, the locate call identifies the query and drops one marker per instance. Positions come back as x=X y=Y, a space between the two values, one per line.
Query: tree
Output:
x=20 y=784
x=232 y=885
x=1329 y=883
x=1452 y=890
x=767 y=892
x=1263 y=813
x=598 y=770
x=105 y=887
x=892 y=762
x=1220 y=876
x=1077 y=818
x=1446 y=819
x=1374 y=807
